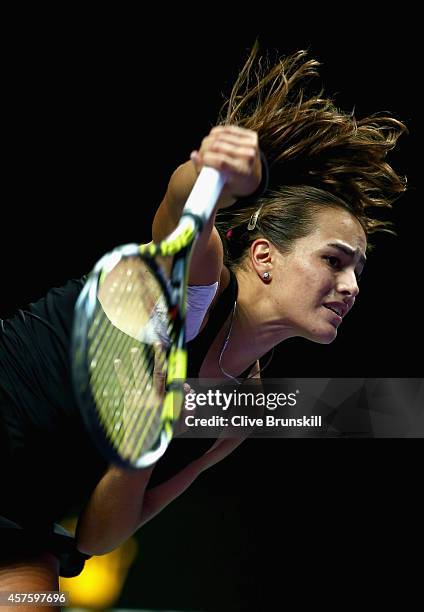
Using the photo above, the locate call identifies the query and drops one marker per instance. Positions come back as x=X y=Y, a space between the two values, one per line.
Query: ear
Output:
x=261 y=257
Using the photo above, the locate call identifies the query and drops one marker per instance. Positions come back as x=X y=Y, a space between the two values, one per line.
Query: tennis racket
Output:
x=129 y=361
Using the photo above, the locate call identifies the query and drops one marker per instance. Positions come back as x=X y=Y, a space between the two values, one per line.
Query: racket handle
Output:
x=205 y=193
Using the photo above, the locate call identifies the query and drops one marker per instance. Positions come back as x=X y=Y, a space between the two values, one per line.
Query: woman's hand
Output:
x=235 y=151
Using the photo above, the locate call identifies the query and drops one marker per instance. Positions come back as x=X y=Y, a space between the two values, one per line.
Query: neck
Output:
x=256 y=318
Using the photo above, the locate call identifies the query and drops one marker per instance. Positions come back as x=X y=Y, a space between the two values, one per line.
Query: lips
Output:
x=339 y=308
x=335 y=319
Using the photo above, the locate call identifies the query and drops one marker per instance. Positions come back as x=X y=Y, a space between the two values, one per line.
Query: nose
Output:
x=348 y=284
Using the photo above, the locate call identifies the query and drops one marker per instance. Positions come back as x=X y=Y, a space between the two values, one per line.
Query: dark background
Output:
x=98 y=112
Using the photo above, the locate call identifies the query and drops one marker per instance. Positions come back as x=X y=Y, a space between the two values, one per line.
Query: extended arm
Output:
x=234 y=151
x=120 y=503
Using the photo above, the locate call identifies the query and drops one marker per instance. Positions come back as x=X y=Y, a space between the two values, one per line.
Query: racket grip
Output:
x=205 y=193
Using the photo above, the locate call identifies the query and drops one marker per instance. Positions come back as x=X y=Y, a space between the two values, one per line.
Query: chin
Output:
x=323 y=337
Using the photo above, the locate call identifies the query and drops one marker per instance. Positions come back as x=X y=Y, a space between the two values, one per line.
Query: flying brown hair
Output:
x=309 y=142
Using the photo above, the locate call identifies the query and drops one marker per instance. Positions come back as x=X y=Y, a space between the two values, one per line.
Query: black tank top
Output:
x=43 y=421
x=49 y=462
x=44 y=475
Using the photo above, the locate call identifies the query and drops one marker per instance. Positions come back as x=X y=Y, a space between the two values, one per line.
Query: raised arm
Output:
x=233 y=150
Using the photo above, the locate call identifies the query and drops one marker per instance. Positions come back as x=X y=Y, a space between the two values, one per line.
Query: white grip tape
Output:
x=205 y=193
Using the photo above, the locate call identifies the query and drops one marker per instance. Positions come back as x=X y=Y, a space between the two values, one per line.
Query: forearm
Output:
x=170 y=210
x=159 y=497
x=120 y=503
x=113 y=512
x=207 y=257
x=119 y=506
x=229 y=149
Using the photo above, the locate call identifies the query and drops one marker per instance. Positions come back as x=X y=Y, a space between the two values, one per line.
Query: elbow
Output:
x=89 y=544
x=92 y=549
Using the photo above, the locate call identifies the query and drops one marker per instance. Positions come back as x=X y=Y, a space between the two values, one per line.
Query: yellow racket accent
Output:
x=167 y=248
x=177 y=365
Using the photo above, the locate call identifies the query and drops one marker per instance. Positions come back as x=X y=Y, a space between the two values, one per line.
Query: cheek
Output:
x=312 y=281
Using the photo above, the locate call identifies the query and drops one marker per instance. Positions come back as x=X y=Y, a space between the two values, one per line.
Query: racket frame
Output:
x=178 y=244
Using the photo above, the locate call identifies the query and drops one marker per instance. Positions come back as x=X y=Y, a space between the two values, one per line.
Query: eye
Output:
x=333 y=261
x=336 y=264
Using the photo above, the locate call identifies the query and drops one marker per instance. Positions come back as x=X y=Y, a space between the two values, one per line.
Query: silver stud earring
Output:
x=266 y=275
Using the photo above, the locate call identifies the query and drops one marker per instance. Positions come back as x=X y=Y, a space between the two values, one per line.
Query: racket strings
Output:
x=127 y=358
x=125 y=395
x=140 y=428
x=130 y=385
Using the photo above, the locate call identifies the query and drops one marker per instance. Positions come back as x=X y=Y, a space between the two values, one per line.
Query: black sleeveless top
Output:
x=44 y=475
x=39 y=419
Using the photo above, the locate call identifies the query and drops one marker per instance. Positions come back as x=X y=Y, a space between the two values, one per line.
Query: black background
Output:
x=98 y=111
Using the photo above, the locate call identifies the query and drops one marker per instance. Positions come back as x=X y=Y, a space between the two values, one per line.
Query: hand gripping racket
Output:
x=129 y=361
